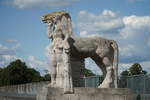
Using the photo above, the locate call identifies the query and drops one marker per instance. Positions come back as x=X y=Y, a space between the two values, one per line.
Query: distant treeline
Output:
x=17 y=72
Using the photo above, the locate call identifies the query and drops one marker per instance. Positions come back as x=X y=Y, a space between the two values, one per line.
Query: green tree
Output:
x=88 y=72
x=18 y=73
x=47 y=77
x=33 y=75
x=1 y=72
x=1 y=69
x=136 y=69
x=125 y=73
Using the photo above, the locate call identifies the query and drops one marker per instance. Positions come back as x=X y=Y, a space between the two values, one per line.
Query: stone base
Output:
x=48 y=93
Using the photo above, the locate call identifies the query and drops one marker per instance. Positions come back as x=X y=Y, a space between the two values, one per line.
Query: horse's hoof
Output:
x=104 y=86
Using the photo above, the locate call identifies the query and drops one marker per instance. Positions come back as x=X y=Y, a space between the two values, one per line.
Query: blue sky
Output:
x=24 y=36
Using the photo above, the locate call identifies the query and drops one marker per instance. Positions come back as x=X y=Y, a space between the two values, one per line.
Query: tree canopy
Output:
x=125 y=73
x=135 y=69
x=17 y=72
x=47 y=77
x=88 y=72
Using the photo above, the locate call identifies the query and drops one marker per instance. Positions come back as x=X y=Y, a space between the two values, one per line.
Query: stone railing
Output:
x=21 y=92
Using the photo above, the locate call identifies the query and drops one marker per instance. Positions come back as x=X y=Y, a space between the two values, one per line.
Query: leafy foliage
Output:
x=18 y=73
x=88 y=72
x=47 y=77
x=125 y=73
x=135 y=69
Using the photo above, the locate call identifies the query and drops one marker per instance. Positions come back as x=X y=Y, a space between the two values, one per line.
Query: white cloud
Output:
x=126 y=66
x=39 y=65
x=11 y=49
x=135 y=26
x=146 y=65
x=109 y=13
x=6 y=59
x=131 y=32
x=41 y=3
x=34 y=62
x=2 y=49
x=85 y=34
x=12 y=41
x=15 y=44
x=127 y=51
x=136 y=33
x=106 y=23
x=123 y=66
x=132 y=1
x=148 y=41
x=90 y=64
x=47 y=51
x=8 y=53
x=9 y=57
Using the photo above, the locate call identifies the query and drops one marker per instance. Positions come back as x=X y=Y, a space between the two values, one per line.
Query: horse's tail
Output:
x=115 y=63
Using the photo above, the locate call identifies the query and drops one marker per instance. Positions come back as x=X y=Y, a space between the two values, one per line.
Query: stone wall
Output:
x=29 y=92
x=47 y=93
x=21 y=92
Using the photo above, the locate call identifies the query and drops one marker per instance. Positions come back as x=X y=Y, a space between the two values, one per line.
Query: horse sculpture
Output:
x=103 y=51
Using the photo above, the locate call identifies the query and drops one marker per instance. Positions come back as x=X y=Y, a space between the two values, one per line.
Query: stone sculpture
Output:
x=66 y=46
x=61 y=64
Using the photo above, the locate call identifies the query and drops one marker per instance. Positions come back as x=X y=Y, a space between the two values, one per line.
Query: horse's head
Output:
x=58 y=22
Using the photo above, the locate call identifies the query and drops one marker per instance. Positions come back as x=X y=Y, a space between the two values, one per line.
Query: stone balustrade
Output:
x=21 y=92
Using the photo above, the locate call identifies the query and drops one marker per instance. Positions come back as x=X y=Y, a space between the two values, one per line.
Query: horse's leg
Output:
x=101 y=66
x=107 y=83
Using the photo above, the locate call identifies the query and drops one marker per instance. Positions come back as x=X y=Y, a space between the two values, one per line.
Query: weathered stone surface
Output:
x=47 y=93
x=77 y=67
x=65 y=46
x=21 y=92
x=17 y=97
x=28 y=92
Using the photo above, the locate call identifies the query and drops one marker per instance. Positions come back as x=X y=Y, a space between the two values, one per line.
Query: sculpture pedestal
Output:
x=48 y=93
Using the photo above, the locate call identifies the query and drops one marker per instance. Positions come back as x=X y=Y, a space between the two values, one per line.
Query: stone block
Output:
x=48 y=93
